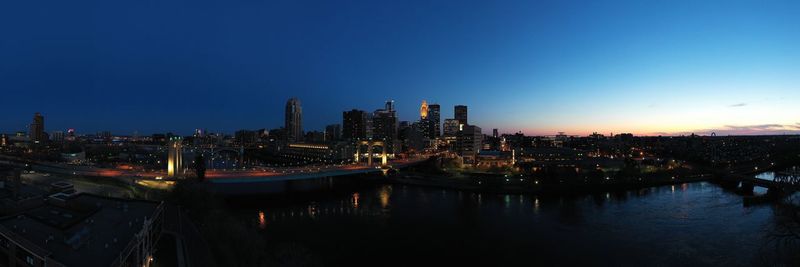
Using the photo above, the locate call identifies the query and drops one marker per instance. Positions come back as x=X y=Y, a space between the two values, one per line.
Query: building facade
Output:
x=434 y=115
x=354 y=125
x=294 y=121
x=460 y=112
x=333 y=133
x=468 y=142
x=36 y=133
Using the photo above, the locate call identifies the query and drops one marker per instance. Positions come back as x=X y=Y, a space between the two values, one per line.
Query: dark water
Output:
x=695 y=224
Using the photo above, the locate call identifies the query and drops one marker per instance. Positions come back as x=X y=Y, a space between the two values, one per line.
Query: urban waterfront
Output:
x=690 y=224
x=399 y=133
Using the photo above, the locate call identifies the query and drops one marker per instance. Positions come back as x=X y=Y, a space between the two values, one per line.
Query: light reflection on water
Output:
x=687 y=224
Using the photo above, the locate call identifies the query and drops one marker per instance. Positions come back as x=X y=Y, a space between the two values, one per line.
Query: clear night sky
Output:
x=536 y=66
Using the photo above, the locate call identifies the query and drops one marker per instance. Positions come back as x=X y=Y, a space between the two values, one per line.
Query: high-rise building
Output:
x=354 y=125
x=434 y=115
x=3 y=140
x=294 y=121
x=461 y=114
x=451 y=128
x=37 y=129
x=384 y=125
x=333 y=132
x=495 y=133
x=423 y=110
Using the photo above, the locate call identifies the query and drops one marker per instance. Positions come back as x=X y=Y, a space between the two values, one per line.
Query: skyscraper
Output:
x=354 y=124
x=294 y=121
x=423 y=110
x=37 y=129
x=494 y=133
x=461 y=114
x=384 y=125
x=434 y=115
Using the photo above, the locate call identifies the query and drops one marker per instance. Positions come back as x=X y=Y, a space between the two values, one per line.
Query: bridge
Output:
x=783 y=182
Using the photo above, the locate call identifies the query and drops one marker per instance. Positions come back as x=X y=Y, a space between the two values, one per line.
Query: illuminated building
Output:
x=294 y=121
x=423 y=110
x=450 y=128
x=468 y=142
x=461 y=114
x=354 y=125
x=434 y=115
x=429 y=120
x=174 y=157
x=384 y=126
x=37 y=129
x=329 y=152
x=3 y=140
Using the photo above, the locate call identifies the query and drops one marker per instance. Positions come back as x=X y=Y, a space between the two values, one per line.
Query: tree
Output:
x=200 y=167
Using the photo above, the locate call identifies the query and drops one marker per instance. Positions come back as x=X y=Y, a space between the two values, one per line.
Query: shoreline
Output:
x=546 y=189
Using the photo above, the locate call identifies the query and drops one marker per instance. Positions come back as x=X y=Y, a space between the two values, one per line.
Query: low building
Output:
x=82 y=230
x=320 y=152
x=16 y=196
x=494 y=158
x=468 y=142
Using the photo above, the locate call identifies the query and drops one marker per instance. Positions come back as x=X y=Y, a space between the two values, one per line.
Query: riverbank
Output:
x=518 y=184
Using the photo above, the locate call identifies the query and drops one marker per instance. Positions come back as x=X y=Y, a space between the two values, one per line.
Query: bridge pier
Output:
x=746 y=187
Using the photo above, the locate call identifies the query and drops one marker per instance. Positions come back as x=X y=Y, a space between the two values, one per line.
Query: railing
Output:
x=141 y=236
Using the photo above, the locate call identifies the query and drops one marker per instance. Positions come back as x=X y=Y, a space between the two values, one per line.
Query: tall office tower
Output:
x=451 y=128
x=425 y=125
x=37 y=129
x=494 y=133
x=354 y=125
x=294 y=121
x=434 y=115
x=461 y=114
x=384 y=125
x=3 y=140
x=423 y=110
x=174 y=157
x=333 y=132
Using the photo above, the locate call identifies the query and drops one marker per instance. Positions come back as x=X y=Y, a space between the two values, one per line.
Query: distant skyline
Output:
x=540 y=67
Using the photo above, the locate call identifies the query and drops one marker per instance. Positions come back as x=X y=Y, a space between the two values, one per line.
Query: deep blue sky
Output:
x=534 y=66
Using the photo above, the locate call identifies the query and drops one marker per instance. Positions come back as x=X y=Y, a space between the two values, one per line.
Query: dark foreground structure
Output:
x=82 y=230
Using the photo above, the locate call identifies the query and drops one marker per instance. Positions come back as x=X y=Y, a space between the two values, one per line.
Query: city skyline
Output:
x=538 y=68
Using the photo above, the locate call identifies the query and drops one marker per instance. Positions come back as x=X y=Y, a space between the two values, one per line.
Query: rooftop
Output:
x=88 y=231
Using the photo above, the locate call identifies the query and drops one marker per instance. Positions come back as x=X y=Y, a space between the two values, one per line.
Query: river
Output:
x=696 y=224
